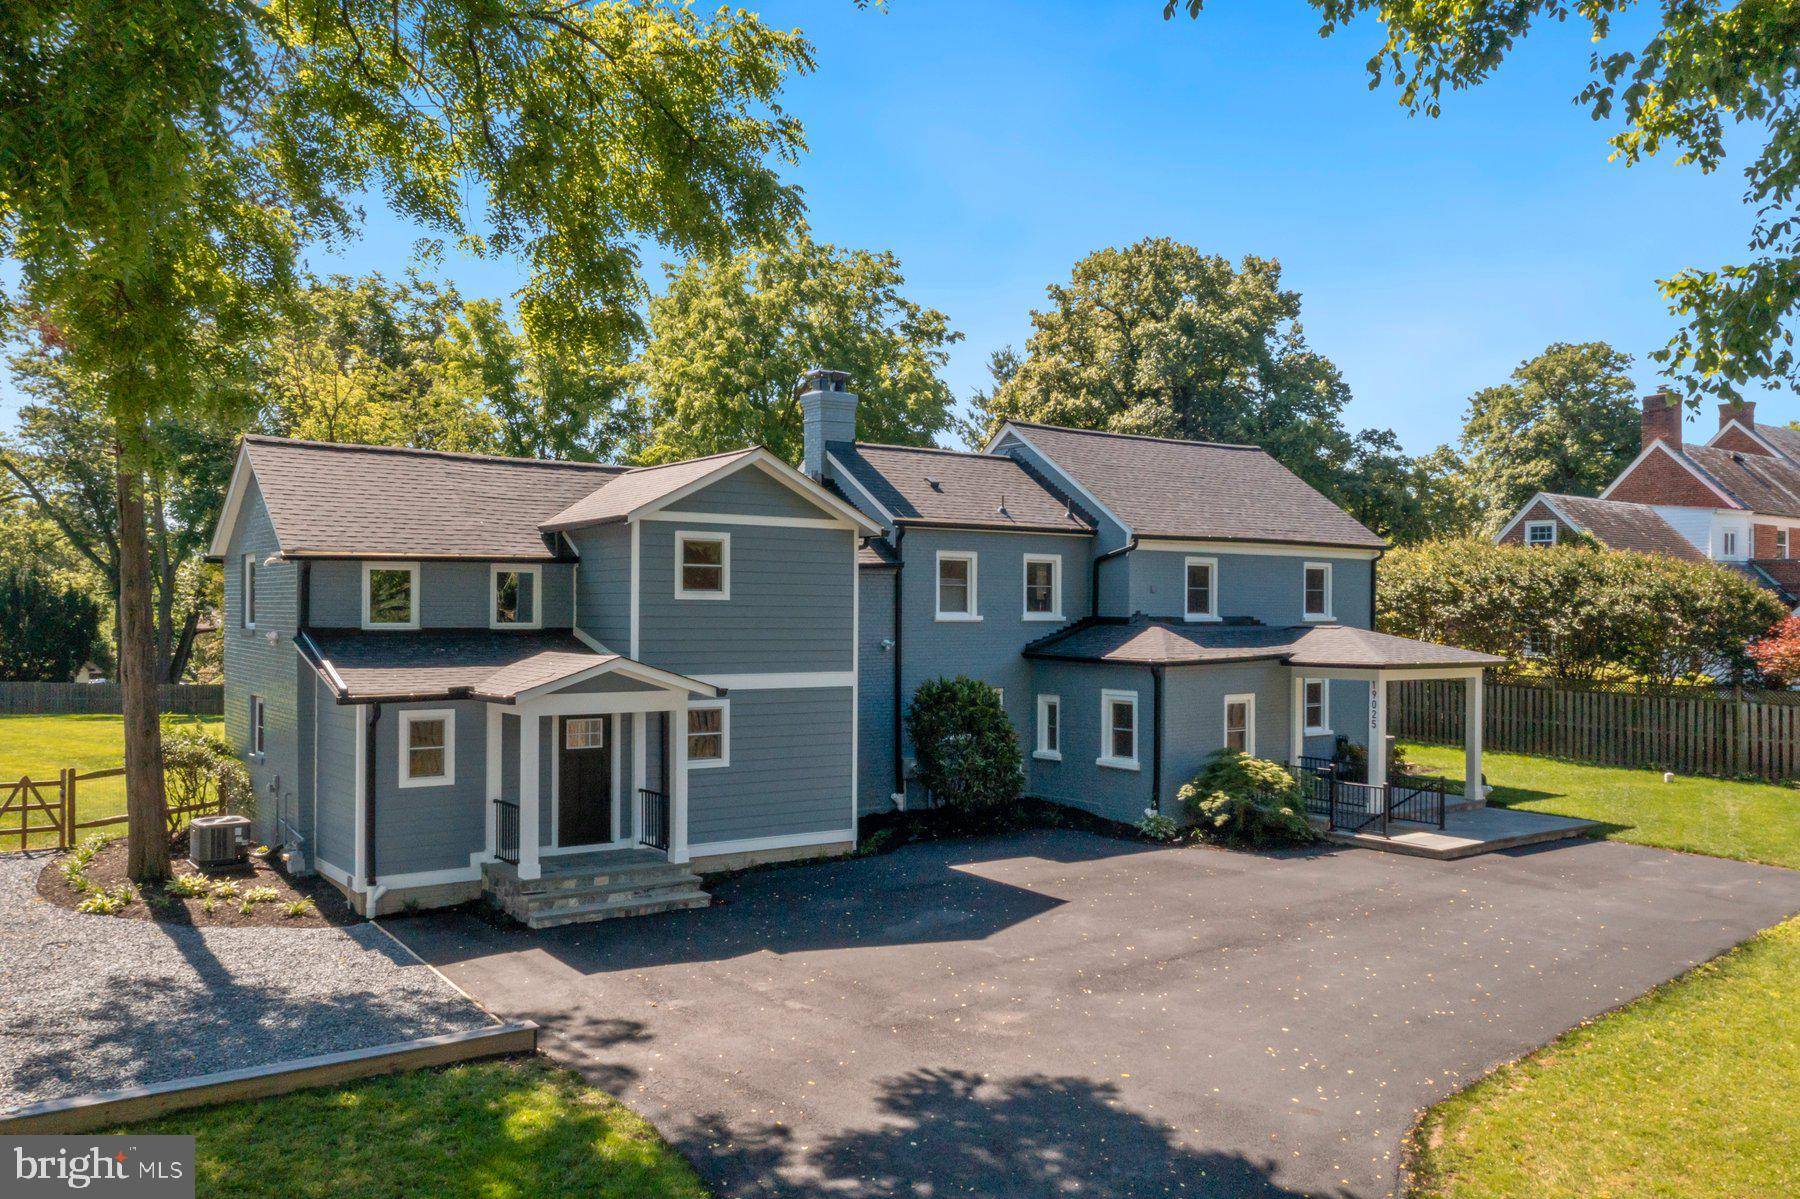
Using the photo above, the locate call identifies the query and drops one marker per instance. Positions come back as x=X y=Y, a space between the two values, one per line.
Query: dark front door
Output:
x=584 y=793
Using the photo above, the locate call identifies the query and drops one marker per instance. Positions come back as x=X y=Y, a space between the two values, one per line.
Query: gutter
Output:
x=1094 y=584
x=899 y=604
x=1374 y=565
x=374 y=741
x=982 y=527
x=1156 y=738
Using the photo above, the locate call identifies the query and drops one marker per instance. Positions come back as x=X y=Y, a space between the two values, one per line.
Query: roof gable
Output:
x=926 y=486
x=1616 y=524
x=647 y=489
x=1663 y=475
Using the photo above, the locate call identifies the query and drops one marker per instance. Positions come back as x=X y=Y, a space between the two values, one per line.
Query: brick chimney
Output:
x=1662 y=418
x=828 y=415
x=1741 y=411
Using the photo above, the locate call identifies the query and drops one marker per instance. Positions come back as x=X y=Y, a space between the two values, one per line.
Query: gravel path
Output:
x=92 y=1004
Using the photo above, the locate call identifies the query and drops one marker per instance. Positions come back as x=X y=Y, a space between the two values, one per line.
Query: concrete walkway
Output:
x=1053 y=1014
x=1467 y=832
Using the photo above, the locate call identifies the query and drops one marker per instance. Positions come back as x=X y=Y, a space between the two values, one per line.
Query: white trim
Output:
x=1324 y=685
x=537 y=594
x=1248 y=699
x=496 y=781
x=1538 y=498
x=685 y=536
x=1328 y=614
x=1532 y=525
x=1728 y=545
x=1107 y=699
x=656 y=676
x=1398 y=673
x=678 y=784
x=531 y=820
x=1071 y=480
x=1267 y=549
x=795 y=681
x=411 y=568
x=259 y=713
x=712 y=849
x=590 y=703
x=723 y=706
x=1056 y=587
x=587 y=639
x=636 y=548
x=937 y=587
x=1690 y=467
x=843 y=476
x=428 y=878
x=1044 y=752
x=338 y=875
x=247 y=592
x=405 y=778
x=1739 y=425
x=739 y=518
x=241 y=474
x=1212 y=588
x=776 y=469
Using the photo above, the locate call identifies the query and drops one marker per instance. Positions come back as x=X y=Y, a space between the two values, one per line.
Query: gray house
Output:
x=577 y=687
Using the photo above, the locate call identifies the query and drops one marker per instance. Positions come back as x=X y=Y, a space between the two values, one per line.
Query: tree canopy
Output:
x=1708 y=66
x=47 y=629
x=730 y=338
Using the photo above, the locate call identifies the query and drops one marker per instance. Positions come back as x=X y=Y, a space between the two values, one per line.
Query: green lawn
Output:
x=1753 y=822
x=493 y=1130
x=1689 y=1091
x=38 y=747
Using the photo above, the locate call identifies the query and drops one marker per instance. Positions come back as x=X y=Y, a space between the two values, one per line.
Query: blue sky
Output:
x=992 y=144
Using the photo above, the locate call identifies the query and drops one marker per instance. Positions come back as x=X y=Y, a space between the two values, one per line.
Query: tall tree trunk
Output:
x=146 y=807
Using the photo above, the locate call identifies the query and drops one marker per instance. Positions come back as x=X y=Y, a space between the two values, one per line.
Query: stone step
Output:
x=613 y=909
x=557 y=880
x=557 y=901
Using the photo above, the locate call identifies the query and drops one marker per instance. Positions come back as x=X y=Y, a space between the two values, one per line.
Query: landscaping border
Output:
x=107 y=1109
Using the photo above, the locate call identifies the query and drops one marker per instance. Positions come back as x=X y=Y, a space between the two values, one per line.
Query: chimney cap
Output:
x=819 y=378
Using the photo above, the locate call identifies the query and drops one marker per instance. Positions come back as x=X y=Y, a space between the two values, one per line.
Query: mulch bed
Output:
x=107 y=870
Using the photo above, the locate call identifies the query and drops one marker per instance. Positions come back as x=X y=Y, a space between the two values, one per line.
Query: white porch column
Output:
x=1472 y=721
x=529 y=799
x=678 y=783
x=1297 y=724
x=640 y=745
x=1377 y=738
x=494 y=783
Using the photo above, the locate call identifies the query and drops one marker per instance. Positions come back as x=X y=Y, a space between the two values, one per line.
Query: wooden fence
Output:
x=62 y=699
x=46 y=813
x=1723 y=734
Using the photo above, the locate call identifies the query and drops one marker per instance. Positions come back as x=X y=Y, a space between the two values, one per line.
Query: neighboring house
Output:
x=574 y=685
x=1734 y=500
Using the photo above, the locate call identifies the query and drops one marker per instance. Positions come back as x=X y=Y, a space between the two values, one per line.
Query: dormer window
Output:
x=1540 y=532
x=514 y=597
x=703 y=566
x=390 y=595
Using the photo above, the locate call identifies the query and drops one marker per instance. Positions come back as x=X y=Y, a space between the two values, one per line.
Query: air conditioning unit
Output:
x=218 y=842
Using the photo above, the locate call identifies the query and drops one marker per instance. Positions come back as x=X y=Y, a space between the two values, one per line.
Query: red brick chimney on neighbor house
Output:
x=1662 y=418
x=1741 y=411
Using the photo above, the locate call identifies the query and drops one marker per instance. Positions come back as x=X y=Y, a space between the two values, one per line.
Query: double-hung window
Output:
x=428 y=748
x=956 y=581
x=1316 y=591
x=709 y=734
x=1240 y=723
x=1049 y=728
x=390 y=595
x=249 y=612
x=1730 y=543
x=1201 y=584
x=1540 y=532
x=514 y=596
x=1118 y=730
x=1781 y=543
x=1316 y=700
x=703 y=566
x=1043 y=587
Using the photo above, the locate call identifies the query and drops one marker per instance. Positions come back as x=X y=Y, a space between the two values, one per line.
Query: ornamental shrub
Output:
x=199 y=769
x=1240 y=800
x=967 y=750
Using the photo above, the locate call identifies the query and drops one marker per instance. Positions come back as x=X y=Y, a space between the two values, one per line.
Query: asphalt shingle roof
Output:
x=1761 y=482
x=1145 y=640
x=1623 y=526
x=632 y=489
x=448 y=663
x=1168 y=488
x=952 y=487
x=379 y=501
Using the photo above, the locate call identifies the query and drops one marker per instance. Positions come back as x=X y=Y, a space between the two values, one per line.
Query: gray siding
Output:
x=334 y=838
x=430 y=828
x=789 y=609
x=1194 y=718
x=1265 y=587
x=452 y=595
x=875 y=680
x=751 y=492
x=790 y=769
x=603 y=584
x=1076 y=780
x=263 y=662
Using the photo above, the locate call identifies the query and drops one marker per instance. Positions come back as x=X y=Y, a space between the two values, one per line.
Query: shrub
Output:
x=967 y=750
x=1158 y=827
x=1240 y=800
x=1356 y=760
x=201 y=770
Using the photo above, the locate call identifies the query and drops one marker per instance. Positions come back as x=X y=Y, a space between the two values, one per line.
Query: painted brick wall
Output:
x=1660 y=479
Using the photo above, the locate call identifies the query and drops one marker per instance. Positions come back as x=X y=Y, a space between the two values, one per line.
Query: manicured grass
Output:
x=38 y=747
x=1753 y=822
x=493 y=1130
x=1688 y=1091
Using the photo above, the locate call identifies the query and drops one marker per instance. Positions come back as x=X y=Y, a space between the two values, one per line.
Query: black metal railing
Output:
x=653 y=819
x=1420 y=800
x=506 y=831
x=1348 y=806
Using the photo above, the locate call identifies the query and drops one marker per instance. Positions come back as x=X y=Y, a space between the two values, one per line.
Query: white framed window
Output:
x=1240 y=723
x=1049 y=728
x=584 y=732
x=248 y=614
x=702 y=566
x=1316 y=701
x=1315 y=600
x=709 y=734
x=258 y=723
x=1118 y=730
x=515 y=597
x=957 y=577
x=1728 y=541
x=1200 y=588
x=1043 y=587
x=428 y=748
x=390 y=594
x=1540 y=532
x=1781 y=543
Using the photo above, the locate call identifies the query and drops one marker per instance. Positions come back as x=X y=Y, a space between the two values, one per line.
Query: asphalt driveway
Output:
x=1055 y=1013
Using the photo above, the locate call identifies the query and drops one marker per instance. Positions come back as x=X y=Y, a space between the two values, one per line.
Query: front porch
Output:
x=596 y=885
